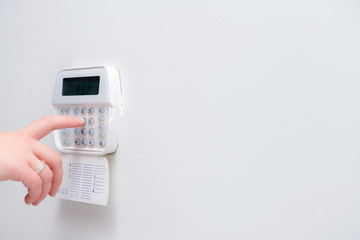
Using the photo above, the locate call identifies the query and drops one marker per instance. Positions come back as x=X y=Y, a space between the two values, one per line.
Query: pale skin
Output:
x=21 y=154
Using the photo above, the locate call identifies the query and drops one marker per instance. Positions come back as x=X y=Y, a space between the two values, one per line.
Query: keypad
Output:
x=92 y=135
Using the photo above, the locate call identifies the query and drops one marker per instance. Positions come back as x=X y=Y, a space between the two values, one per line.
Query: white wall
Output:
x=241 y=117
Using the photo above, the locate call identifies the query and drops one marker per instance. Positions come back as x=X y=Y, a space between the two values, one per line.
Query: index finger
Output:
x=42 y=127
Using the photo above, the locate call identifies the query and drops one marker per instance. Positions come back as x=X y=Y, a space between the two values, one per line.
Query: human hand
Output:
x=21 y=154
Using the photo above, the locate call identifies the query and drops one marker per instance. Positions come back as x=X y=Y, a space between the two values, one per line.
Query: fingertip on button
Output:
x=82 y=120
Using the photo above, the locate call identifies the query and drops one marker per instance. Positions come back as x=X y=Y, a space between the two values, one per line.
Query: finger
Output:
x=31 y=181
x=42 y=127
x=53 y=160
x=46 y=178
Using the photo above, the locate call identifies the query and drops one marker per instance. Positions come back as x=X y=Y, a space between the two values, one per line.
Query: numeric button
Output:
x=91 y=111
x=92 y=142
x=102 y=134
x=101 y=118
x=66 y=141
x=83 y=111
x=84 y=131
x=91 y=121
x=101 y=110
x=77 y=141
x=65 y=131
x=101 y=126
x=76 y=131
x=102 y=143
x=91 y=131
x=76 y=111
x=84 y=142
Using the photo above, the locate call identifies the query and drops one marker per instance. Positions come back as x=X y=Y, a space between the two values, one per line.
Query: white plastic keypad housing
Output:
x=102 y=112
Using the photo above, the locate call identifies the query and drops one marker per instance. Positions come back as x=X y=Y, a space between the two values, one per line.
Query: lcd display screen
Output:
x=81 y=86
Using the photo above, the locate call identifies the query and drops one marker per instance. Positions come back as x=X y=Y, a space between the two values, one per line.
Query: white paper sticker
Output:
x=85 y=179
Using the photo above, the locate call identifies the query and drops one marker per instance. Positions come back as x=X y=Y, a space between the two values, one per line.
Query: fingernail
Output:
x=27 y=202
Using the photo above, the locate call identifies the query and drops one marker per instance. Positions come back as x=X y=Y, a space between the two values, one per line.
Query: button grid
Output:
x=92 y=135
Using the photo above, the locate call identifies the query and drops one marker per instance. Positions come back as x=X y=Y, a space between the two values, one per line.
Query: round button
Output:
x=92 y=142
x=76 y=111
x=67 y=110
x=101 y=110
x=84 y=142
x=102 y=126
x=77 y=141
x=62 y=110
x=91 y=131
x=85 y=121
x=91 y=110
x=83 y=110
x=76 y=131
x=91 y=121
x=66 y=141
x=101 y=118
x=102 y=143
x=65 y=131
x=102 y=134
x=84 y=131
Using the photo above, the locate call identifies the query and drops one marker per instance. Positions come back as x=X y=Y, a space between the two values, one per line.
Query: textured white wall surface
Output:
x=242 y=118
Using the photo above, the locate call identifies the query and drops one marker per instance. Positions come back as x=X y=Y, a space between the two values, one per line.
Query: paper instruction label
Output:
x=85 y=179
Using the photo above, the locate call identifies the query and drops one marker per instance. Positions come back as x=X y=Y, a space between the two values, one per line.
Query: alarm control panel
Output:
x=95 y=95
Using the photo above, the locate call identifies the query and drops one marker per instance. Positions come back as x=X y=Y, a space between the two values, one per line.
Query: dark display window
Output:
x=81 y=86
